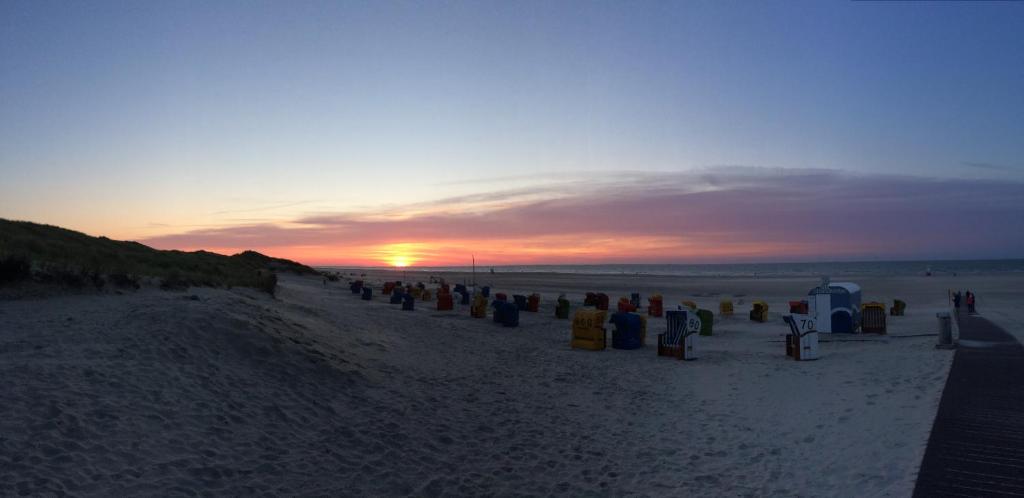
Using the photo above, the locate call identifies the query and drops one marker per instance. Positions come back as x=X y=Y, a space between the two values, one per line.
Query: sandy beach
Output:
x=316 y=392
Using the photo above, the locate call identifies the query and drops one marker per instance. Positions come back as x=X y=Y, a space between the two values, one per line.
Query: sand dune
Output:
x=319 y=393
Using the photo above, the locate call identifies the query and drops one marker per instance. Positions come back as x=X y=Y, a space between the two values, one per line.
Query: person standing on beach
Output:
x=970 y=302
x=956 y=300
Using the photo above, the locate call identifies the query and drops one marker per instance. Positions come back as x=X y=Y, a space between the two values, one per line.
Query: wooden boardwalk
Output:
x=976 y=447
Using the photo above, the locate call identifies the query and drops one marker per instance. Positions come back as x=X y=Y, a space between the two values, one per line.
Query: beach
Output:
x=316 y=392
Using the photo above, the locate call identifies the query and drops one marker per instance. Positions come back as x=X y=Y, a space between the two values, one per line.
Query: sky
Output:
x=384 y=133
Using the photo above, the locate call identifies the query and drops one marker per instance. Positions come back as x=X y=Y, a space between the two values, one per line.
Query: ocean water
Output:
x=833 y=269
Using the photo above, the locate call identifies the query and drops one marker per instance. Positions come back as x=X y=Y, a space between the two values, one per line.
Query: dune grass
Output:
x=52 y=254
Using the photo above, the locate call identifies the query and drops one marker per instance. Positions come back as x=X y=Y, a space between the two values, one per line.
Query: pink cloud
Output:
x=744 y=214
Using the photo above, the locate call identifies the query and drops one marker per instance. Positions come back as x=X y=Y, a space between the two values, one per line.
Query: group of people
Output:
x=967 y=298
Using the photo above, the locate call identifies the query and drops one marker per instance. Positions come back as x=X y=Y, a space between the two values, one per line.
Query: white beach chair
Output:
x=805 y=336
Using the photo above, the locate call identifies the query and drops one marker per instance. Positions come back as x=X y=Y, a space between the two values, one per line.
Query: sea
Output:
x=815 y=269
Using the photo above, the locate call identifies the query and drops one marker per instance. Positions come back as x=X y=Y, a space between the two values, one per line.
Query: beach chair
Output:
x=396 y=297
x=590 y=299
x=872 y=318
x=507 y=314
x=479 y=307
x=602 y=301
x=634 y=299
x=533 y=303
x=798 y=307
x=707 y=321
x=802 y=341
x=655 y=305
x=407 y=302
x=588 y=330
x=898 y=308
x=485 y=291
x=725 y=307
x=426 y=296
x=680 y=339
x=690 y=304
x=511 y=318
x=520 y=301
x=445 y=301
x=367 y=294
x=501 y=296
x=356 y=287
x=759 y=312
x=497 y=306
x=562 y=308
x=416 y=292
x=626 y=305
x=388 y=287
x=627 y=330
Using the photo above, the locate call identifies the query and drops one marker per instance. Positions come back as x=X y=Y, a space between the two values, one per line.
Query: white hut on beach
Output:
x=835 y=306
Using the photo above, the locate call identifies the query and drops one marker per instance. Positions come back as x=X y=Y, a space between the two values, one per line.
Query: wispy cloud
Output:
x=738 y=214
x=990 y=166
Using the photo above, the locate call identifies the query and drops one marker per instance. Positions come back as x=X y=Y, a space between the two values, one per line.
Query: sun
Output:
x=400 y=261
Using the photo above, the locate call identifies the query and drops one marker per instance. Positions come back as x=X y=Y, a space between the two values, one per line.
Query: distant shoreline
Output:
x=726 y=270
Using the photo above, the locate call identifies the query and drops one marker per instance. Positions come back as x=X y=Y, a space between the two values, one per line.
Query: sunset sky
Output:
x=379 y=133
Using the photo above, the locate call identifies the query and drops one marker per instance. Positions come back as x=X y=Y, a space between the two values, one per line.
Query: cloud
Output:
x=725 y=214
x=990 y=166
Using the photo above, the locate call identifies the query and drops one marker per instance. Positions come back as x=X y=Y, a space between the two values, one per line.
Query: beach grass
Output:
x=52 y=254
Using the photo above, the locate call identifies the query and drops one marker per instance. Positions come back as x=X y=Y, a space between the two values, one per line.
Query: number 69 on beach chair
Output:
x=802 y=341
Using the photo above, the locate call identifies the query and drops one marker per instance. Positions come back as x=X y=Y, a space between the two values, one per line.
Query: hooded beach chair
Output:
x=802 y=341
x=479 y=307
x=444 y=301
x=626 y=305
x=396 y=297
x=533 y=303
x=725 y=307
x=627 y=330
x=707 y=321
x=588 y=330
x=506 y=313
x=367 y=294
x=520 y=301
x=872 y=318
x=680 y=338
x=655 y=305
x=407 y=302
x=798 y=307
x=759 y=312
x=898 y=308
x=562 y=308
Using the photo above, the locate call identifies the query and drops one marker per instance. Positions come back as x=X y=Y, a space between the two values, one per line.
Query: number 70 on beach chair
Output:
x=803 y=337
